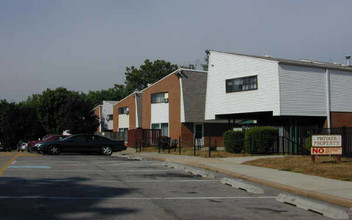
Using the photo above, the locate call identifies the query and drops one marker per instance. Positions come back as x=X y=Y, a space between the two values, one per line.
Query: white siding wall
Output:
x=160 y=113
x=341 y=91
x=124 y=121
x=106 y=110
x=302 y=91
x=224 y=66
x=183 y=119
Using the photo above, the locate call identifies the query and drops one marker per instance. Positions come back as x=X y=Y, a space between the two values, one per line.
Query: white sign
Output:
x=326 y=141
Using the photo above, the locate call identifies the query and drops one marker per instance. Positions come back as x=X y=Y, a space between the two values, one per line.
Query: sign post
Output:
x=326 y=145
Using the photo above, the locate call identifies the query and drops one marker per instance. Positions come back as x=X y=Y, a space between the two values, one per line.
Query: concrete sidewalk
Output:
x=329 y=190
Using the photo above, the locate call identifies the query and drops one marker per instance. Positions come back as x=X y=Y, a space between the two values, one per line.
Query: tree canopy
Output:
x=149 y=72
x=61 y=110
x=97 y=97
x=18 y=122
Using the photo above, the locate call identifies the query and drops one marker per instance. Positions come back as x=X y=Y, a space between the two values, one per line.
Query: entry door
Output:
x=199 y=134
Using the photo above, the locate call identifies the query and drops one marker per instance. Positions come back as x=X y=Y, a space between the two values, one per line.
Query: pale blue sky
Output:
x=86 y=45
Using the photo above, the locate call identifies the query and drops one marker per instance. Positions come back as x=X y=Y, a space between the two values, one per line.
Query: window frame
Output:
x=158 y=93
x=160 y=127
x=248 y=80
x=123 y=110
x=109 y=117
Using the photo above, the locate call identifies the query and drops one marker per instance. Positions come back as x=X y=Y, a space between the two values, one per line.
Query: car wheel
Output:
x=106 y=150
x=54 y=150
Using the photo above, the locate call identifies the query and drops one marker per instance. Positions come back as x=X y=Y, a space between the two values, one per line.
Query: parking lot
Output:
x=100 y=187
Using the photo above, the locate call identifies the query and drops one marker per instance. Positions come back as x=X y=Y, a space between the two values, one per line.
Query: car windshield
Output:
x=46 y=137
x=60 y=138
x=66 y=138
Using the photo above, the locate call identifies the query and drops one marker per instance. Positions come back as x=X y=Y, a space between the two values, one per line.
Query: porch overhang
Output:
x=267 y=118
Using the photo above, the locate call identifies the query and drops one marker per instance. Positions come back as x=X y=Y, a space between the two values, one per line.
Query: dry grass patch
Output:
x=324 y=166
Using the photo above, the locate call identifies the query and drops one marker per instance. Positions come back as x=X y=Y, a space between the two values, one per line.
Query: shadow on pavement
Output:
x=69 y=198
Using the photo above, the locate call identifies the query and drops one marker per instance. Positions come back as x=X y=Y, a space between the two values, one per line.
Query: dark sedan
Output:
x=46 y=138
x=81 y=143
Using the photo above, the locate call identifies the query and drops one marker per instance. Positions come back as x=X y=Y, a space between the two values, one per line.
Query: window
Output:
x=160 y=97
x=109 y=117
x=124 y=110
x=241 y=84
x=164 y=128
x=155 y=126
x=79 y=138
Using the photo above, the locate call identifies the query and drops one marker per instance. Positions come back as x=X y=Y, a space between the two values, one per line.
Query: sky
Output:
x=86 y=45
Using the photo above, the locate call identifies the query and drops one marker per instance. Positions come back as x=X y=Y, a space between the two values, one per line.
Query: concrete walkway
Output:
x=329 y=190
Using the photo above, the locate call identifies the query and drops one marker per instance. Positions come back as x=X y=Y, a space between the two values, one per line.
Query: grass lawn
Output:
x=188 y=151
x=324 y=166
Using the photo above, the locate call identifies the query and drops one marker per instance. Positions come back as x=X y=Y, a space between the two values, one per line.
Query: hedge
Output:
x=259 y=140
x=233 y=141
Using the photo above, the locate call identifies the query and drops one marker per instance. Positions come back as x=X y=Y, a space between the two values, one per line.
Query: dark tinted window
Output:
x=241 y=84
x=79 y=138
x=123 y=110
x=159 y=97
x=100 y=138
x=61 y=137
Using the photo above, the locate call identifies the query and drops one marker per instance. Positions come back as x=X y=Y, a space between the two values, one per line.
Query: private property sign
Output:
x=326 y=145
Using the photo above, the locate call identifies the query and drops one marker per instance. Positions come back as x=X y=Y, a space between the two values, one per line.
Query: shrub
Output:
x=233 y=141
x=259 y=140
x=307 y=145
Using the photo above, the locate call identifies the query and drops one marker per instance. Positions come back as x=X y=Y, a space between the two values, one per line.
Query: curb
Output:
x=198 y=172
x=128 y=157
x=314 y=206
x=241 y=185
x=315 y=195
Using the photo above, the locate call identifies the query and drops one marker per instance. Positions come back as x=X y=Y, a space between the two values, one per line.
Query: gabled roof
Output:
x=306 y=63
x=97 y=107
x=174 y=72
x=117 y=102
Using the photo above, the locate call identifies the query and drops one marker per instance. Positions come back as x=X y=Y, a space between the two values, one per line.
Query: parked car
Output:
x=46 y=138
x=22 y=145
x=81 y=143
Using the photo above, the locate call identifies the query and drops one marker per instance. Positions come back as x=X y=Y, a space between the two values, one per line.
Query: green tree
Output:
x=18 y=122
x=51 y=101
x=32 y=101
x=205 y=62
x=189 y=66
x=149 y=72
x=77 y=116
x=97 y=97
x=60 y=109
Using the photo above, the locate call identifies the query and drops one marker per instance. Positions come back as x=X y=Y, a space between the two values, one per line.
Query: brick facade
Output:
x=340 y=119
x=131 y=104
x=187 y=134
x=97 y=113
x=170 y=85
x=215 y=131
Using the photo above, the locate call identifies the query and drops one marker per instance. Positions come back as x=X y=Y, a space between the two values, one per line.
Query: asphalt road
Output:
x=100 y=187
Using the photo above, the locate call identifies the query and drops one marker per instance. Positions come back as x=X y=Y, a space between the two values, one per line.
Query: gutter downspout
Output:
x=100 y=119
x=136 y=109
x=328 y=99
